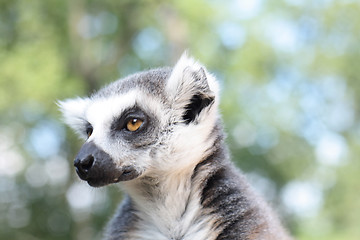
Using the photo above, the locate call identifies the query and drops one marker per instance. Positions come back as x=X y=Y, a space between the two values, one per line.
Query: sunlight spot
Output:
x=232 y=35
x=246 y=9
x=283 y=35
x=57 y=170
x=147 y=44
x=331 y=149
x=84 y=199
x=90 y=26
x=35 y=175
x=11 y=161
x=303 y=199
x=79 y=196
x=45 y=138
x=244 y=134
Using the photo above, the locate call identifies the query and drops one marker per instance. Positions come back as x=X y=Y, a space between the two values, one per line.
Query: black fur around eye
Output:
x=89 y=130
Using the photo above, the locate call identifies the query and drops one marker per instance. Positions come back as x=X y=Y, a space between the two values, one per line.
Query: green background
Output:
x=290 y=77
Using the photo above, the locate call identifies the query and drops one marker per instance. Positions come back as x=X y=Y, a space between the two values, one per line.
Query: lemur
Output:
x=159 y=133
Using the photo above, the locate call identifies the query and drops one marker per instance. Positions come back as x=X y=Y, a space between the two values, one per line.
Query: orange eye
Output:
x=133 y=124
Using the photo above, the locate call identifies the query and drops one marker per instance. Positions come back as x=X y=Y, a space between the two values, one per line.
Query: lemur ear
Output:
x=73 y=111
x=191 y=88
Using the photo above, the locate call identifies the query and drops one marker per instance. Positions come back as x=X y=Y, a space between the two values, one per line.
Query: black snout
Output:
x=83 y=166
x=85 y=159
x=95 y=166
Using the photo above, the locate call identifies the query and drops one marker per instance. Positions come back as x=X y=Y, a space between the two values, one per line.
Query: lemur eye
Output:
x=89 y=131
x=133 y=124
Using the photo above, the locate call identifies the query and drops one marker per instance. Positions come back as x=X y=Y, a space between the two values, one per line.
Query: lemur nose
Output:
x=83 y=166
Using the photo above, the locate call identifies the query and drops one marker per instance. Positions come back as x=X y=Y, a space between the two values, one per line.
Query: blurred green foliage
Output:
x=290 y=78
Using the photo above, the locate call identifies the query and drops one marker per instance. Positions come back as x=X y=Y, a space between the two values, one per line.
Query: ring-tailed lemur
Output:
x=159 y=133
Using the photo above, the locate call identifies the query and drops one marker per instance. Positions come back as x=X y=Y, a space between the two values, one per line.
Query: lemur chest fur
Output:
x=171 y=209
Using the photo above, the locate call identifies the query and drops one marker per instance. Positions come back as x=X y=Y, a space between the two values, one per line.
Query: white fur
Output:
x=73 y=111
x=176 y=80
x=165 y=218
x=180 y=85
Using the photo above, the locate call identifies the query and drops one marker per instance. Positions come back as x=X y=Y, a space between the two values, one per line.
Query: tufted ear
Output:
x=191 y=88
x=73 y=111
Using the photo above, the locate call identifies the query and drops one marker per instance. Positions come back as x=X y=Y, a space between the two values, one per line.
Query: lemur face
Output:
x=148 y=123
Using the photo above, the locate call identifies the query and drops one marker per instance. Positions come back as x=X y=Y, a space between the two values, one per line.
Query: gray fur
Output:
x=151 y=82
x=181 y=183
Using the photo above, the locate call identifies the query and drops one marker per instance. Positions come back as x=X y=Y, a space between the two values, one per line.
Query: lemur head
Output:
x=150 y=123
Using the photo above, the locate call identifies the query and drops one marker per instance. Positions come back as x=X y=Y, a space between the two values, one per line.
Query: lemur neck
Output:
x=172 y=204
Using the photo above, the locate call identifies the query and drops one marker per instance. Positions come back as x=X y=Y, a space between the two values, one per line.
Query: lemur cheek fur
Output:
x=158 y=133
